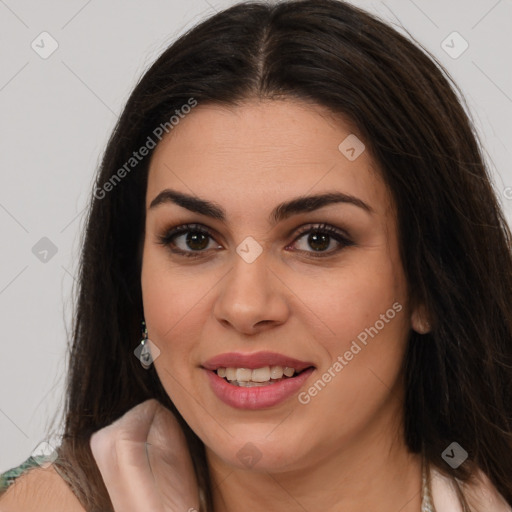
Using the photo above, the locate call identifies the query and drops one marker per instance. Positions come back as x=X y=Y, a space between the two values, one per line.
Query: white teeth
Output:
x=261 y=374
x=249 y=377
x=251 y=384
x=288 y=371
x=231 y=373
x=243 y=374
x=276 y=372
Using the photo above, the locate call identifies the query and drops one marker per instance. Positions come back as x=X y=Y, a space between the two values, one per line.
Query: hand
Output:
x=157 y=477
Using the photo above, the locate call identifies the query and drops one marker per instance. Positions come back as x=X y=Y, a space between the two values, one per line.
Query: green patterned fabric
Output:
x=7 y=478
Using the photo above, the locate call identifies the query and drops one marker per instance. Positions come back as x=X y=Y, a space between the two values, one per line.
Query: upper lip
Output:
x=254 y=360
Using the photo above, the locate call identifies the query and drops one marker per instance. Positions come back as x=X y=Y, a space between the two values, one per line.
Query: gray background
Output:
x=56 y=116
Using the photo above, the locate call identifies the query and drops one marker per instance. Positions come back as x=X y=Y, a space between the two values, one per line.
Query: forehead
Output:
x=263 y=151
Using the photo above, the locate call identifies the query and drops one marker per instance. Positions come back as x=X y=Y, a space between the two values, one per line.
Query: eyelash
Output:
x=323 y=229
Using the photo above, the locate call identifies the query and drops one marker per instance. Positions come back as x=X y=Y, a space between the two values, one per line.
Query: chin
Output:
x=255 y=452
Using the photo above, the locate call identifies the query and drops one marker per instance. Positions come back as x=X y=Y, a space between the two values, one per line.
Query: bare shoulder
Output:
x=41 y=490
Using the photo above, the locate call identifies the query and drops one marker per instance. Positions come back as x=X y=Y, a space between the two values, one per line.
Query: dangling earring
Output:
x=144 y=351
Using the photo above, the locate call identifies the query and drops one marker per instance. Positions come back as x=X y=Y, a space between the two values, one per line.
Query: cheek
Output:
x=174 y=309
x=363 y=333
x=171 y=308
x=350 y=300
x=365 y=310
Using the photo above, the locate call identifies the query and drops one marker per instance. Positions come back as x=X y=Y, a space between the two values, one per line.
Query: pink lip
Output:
x=256 y=397
x=255 y=360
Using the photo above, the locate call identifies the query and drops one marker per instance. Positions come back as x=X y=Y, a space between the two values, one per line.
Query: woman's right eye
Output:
x=197 y=238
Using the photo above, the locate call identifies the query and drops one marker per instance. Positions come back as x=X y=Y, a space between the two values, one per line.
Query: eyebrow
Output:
x=281 y=212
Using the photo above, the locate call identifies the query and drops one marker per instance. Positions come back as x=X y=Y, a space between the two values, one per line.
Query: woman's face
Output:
x=264 y=280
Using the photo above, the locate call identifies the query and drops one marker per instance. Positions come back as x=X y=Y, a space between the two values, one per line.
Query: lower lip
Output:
x=257 y=397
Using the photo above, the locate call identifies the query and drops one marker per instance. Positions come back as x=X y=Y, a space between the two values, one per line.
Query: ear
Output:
x=420 y=321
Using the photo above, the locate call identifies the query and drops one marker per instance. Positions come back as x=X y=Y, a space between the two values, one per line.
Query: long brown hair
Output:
x=454 y=242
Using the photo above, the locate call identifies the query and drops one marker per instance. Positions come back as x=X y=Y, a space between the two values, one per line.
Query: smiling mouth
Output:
x=257 y=377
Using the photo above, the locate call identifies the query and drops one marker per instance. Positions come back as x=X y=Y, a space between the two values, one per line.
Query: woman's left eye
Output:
x=198 y=239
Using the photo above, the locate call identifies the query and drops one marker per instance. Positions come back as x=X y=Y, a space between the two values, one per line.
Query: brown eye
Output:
x=194 y=239
x=319 y=239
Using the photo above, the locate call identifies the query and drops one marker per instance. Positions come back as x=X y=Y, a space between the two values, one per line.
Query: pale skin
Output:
x=344 y=450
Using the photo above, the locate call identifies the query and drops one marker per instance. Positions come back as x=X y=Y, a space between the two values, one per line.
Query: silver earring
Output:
x=143 y=351
x=146 y=351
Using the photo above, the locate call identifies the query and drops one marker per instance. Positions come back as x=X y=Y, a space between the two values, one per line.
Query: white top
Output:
x=483 y=496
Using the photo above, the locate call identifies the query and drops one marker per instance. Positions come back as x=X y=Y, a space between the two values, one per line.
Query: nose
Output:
x=252 y=297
